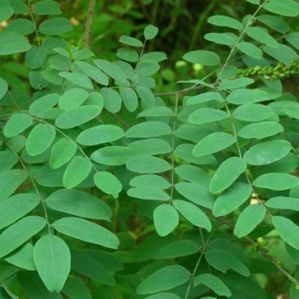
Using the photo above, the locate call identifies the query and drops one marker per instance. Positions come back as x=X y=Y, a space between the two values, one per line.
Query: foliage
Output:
x=111 y=189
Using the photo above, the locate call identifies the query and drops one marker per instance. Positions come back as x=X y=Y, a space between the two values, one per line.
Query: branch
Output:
x=88 y=22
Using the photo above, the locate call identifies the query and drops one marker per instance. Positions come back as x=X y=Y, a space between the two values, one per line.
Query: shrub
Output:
x=110 y=189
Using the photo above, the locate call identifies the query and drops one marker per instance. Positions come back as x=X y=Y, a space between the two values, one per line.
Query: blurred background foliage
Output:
x=182 y=24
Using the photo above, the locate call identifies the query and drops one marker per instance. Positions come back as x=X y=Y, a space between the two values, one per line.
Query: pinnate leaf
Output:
x=156 y=282
x=86 y=231
x=248 y=220
x=166 y=218
x=54 y=269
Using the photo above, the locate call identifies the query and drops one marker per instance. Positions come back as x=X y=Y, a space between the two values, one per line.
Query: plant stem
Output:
x=88 y=22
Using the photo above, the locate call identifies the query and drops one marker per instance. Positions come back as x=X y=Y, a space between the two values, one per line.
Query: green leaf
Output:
x=17 y=124
x=262 y=36
x=293 y=39
x=276 y=181
x=86 y=231
x=16 y=206
x=166 y=219
x=267 y=152
x=129 y=98
x=148 y=193
x=235 y=83
x=131 y=41
x=100 y=134
x=206 y=115
x=112 y=99
x=127 y=54
x=75 y=288
x=204 y=97
x=150 y=146
x=150 y=32
x=287 y=229
x=79 y=203
x=150 y=180
x=251 y=50
x=288 y=8
x=3 y=88
x=77 y=116
x=226 y=174
x=145 y=94
x=7 y=160
x=202 y=57
x=55 y=26
x=274 y=22
x=54 y=269
x=283 y=203
x=10 y=180
x=93 y=72
x=197 y=193
x=282 y=53
x=261 y=130
x=34 y=288
x=108 y=183
x=223 y=260
x=231 y=199
x=147 y=164
x=156 y=282
x=62 y=152
x=212 y=282
x=95 y=98
x=35 y=57
x=112 y=155
x=41 y=106
x=13 y=43
x=176 y=248
x=23 y=258
x=253 y=112
x=78 y=79
x=40 y=139
x=249 y=219
x=20 y=232
x=91 y=264
x=224 y=21
x=72 y=98
x=112 y=70
x=220 y=38
x=148 y=129
x=247 y=96
x=46 y=8
x=213 y=143
x=6 y=10
x=193 y=214
x=76 y=172
x=21 y=26
x=159 y=111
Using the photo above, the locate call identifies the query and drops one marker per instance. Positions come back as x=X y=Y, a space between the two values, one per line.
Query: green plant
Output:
x=111 y=190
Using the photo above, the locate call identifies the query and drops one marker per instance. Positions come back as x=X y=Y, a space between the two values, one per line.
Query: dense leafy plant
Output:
x=111 y=190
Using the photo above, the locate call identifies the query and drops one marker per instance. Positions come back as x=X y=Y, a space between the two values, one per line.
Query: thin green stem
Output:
x=35 y=24
x=201 y=255
x=242 y=34
x=177 y=98
x=194 y=87
x=32 y=180
x=235 y=133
